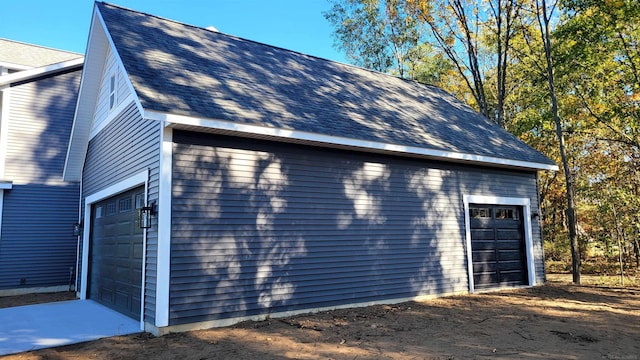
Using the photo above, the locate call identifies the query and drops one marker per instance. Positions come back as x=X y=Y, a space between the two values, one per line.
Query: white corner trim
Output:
x=6 y=185
x=341 y=141
x=164 y=227
x=25 y=75
x=5 y=99
x=141 y=178
x=528 y=233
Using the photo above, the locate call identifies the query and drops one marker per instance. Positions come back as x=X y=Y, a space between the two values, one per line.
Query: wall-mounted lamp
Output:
x=77 y=229
x=144 y=215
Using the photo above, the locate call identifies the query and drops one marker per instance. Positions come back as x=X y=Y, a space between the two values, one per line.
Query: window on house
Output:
x=112 y=91
x=480 y=213
x=111 y=209
x=124 y=205
x=139 y=201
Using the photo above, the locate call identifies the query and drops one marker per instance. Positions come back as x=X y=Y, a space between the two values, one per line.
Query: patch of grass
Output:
x=597 y=280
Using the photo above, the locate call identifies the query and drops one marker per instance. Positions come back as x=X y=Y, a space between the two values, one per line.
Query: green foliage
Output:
x=595 y=48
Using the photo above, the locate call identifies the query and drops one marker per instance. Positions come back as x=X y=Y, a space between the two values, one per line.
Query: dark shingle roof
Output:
x=186 y=70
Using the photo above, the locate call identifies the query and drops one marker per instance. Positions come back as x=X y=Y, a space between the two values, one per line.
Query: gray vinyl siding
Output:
x=261 y=227
x=102 y=107
x=37 y=246
x=127 y=146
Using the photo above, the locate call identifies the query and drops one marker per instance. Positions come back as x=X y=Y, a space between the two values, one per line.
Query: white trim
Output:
x=124 y=185
x=25 y=75
x=6 y=185
x=12 y=66
x=5 y=99
x=113 y=113
x=88 y=95
x=224 y=125
x=164 y=228
x=528 y=234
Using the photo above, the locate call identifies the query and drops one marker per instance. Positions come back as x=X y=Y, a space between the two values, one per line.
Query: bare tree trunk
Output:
x=543 y=22
x=619 y=235
x=636 y=250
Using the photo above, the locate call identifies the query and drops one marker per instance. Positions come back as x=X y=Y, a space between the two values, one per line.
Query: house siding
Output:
x=125 y=147
x=261 y=227
x=103 y=114
x=37 y=246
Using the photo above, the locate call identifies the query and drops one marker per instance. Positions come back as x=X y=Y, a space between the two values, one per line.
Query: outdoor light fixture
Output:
x=144 y=215
x=77 y=227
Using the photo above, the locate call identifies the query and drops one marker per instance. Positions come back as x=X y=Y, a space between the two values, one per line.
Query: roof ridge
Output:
x=414 y=81
x=41 y=46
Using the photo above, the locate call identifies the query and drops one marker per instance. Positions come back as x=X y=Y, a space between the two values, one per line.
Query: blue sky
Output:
x=292 y=24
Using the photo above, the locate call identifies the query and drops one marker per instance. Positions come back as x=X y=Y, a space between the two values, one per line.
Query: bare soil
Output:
x=554 y=321
x=30 y=299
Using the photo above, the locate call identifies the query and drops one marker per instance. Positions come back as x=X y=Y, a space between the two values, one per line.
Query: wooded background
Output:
x=563 y=75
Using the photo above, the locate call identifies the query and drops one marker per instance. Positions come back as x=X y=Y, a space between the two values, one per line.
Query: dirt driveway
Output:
x=555 y=321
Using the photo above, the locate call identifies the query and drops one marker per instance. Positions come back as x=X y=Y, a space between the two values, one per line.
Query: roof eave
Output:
x=285 y=135
x=26 y=75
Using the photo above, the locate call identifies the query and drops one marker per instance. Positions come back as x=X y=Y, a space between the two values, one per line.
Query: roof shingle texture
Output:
x=18 y=53
x=186 y=70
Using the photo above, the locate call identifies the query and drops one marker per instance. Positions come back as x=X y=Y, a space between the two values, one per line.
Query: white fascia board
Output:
x=6 y=185
x=26 y=75
x=97 y=49
x=13 y=66
x=224 y=125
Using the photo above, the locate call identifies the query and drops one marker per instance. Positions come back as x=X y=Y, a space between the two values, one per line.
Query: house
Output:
x=281 y=183
x=38 y=92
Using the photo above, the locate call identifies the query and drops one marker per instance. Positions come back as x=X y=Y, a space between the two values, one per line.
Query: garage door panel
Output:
x=116 y=254
x=508 y=245
x=483 y=245
x=483 y=234
x=503 y=234
x=506 y=255
x=513 y=277
x=483 y=256
x=485 y=267
x=497 y=242
x=511 y=265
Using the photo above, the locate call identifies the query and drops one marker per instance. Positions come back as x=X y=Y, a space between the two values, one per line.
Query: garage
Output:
x=498 y=246
x=116 y=250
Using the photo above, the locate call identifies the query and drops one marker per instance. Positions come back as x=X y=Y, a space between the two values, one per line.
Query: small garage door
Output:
x=116 y=253
x=498 y=248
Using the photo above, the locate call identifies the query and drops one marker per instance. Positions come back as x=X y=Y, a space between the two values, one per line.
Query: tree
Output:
x=544 y=14
x=464 y=30
x=376 y=35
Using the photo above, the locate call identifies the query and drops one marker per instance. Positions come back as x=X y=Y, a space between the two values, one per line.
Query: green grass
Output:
x=632 y=281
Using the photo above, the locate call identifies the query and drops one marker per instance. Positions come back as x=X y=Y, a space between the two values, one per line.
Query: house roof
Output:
x=187 y=72
x=14 y=54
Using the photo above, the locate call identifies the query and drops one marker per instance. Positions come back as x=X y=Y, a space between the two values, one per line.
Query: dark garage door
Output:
x=497 y=243
x=116 y=253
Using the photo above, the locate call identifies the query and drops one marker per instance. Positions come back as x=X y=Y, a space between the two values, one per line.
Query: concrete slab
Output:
x=32 y=327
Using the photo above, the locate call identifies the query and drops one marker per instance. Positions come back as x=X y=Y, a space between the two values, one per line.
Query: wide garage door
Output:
x=115 y=275
x=497 y=242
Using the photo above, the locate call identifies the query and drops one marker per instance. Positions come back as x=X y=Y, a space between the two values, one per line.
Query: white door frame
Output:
x=141 y=178
x=528 y=234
